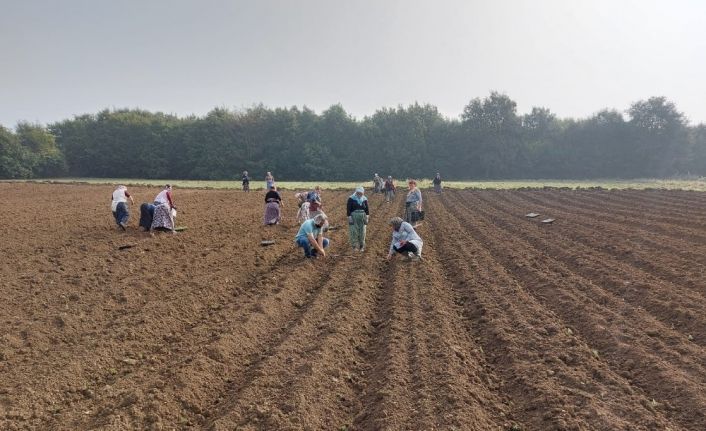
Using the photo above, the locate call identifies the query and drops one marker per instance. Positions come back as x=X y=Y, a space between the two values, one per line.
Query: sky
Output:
x=71 y=57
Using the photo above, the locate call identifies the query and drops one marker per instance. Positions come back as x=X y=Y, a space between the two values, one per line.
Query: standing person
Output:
x=405 y=240
x=358 y=217
x=377 y=184
x=164 y=210
x=413 y=203
x=311 y=237
x=303 y=204
x=246 y=181
x=389 y=189
x=437 y=183
x=119 y=207
x=314 y=199
x=273 y=204
x=269 y=180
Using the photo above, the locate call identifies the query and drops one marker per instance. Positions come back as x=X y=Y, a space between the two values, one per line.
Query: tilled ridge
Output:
x=310 y=379
x=554 y=380
x=642 y=350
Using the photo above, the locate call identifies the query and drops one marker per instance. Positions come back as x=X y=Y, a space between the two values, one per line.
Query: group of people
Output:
x=161 y=213
x=385 y=186
x=314 y=223
x=158 y=215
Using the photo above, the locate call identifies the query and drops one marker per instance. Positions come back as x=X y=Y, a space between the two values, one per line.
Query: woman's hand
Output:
x=389 y=256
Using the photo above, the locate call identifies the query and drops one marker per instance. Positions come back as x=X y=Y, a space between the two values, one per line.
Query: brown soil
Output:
x=595 y=322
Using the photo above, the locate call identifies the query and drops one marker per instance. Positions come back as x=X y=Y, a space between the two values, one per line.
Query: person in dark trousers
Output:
x=119 y=207
x=389 y=188
x=437 y=183
x=311 y=237
x=405 y=240
x=358 y=217
x=246 y=181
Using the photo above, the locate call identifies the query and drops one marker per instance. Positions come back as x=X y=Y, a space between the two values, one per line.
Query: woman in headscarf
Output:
x=119 y=207
x=314 y=199
x=273 y=202
x=413 y=203
x=246 y=181
x=164 y=210
x=303 y=211
x=377 y=183
x=389 y=188
x=269 y=181
x=404 y=240
x=437 y=183
x=358 y=217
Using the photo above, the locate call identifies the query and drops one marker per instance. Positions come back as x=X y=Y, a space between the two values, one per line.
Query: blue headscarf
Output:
x=358 y=199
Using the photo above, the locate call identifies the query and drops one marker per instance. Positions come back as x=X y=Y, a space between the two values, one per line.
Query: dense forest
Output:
x=490 y=140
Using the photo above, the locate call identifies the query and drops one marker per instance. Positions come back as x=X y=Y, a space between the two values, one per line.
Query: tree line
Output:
x=489 y=140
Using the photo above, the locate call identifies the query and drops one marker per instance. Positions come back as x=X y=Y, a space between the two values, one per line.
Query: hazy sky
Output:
x=68 y=57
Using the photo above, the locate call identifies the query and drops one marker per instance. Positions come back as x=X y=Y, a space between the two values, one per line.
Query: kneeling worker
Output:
x=311 y=238
x=405 y=240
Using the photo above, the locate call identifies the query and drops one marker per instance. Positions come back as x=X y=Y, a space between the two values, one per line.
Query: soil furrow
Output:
x=663 y=296
x=672 y=201
x=545 y=278
x=676 y=231
x=616 y=204
x=538 y=361
x=678 y=264
x=317 y=352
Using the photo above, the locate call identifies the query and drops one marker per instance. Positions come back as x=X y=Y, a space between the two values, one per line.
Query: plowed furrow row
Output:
x=615 y=203
x=544 y=370
x=678 y=201
x=284 y=387
x=652 y=295
x=203 y=349
x=671 y=302
x=430 y=377
x=690 y=236
x=596 y=316
x=663 y=257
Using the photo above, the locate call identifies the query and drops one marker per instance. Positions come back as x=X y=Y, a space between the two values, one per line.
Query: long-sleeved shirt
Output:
x=414 y=196
x=354 y=205
x=405 y=233
x=273 y=196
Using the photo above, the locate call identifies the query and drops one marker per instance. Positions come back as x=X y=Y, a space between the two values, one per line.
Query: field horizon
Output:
x=692 y=184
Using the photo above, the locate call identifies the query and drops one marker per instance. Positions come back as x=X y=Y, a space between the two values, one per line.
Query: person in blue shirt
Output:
x=311 y=237
x=413 y=204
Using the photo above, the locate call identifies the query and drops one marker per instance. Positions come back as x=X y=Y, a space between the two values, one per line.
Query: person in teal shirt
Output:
x=311 y=238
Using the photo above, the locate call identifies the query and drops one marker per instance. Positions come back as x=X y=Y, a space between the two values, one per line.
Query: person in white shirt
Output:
x=119 y=206
x=405 y=240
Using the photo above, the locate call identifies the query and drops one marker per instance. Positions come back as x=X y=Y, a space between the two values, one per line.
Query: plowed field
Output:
x=594 y=322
